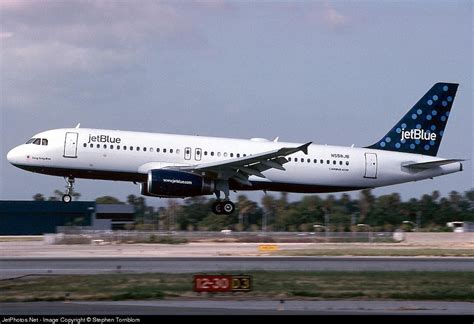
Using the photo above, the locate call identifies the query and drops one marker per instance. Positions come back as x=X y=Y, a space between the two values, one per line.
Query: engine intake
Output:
x=178 y=184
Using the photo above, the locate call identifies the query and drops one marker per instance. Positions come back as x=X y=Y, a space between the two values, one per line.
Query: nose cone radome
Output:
x=14 y=156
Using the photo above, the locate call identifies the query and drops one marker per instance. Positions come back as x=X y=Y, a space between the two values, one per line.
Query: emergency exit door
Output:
x=370 y=165
x=70 y=145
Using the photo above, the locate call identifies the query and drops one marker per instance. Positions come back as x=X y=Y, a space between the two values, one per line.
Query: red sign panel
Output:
x=212 y=283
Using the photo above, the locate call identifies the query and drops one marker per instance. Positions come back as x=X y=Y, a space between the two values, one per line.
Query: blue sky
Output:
x=338 y=73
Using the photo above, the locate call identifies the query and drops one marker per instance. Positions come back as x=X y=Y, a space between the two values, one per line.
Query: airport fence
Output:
x=82 y=236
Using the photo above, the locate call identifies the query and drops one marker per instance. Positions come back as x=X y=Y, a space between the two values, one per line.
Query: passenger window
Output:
x=177 y=151
x=44 y=141
x=225 y=154
x=105 y=145
x=321 y=161
x=138 y=148
x=85 y=145
x=92 y=145
x=231 y=154
x=302 y=160
x=347 y=162
x=98 y=145
x=238 y=155
x=157 y=150
x=245 y=155
x=340 y=162
x=118 y=147
x=212 y=153
x=218 y=153
x=334 y=162
x=328 y=162
x=151 y=149
x=205 y=152
x=131 y=148
x=164 y=150
x=308 y=160
x=315 y=161
x=37 y=141
x=124 y=148
x=144 y=149
x=111 y=147
x=171 y=150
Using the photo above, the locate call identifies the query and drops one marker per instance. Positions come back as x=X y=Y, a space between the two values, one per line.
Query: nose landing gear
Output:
x=69 y=190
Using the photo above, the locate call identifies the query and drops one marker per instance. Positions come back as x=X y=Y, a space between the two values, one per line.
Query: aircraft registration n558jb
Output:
x=183 y=166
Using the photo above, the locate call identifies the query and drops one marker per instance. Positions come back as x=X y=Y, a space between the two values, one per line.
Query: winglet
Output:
x=304 y=148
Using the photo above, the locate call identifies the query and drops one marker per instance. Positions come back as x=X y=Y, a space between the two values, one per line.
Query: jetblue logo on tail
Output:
x=418 y=134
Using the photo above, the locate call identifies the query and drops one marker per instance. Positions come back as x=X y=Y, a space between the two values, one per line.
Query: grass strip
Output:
x=447 y=286
x=367 y=251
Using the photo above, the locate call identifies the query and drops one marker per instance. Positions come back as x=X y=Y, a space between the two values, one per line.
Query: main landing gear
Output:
x=69 y=190
x=225 y=207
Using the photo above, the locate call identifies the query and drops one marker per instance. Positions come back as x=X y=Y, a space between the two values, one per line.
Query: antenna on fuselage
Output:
x=78 y=125
x=276 y=139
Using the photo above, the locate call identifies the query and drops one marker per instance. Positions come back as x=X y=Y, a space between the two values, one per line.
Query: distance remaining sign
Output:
x=222 y=283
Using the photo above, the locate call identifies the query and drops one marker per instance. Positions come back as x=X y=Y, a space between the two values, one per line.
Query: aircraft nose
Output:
x=14 y=155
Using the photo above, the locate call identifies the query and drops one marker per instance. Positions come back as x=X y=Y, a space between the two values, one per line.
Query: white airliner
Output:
x=183 y=166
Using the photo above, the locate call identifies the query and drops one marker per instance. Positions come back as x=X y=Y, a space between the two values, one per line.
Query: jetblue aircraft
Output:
x=182 y=166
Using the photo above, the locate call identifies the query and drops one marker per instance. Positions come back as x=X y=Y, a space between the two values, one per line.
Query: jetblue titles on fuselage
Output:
x=104 y=139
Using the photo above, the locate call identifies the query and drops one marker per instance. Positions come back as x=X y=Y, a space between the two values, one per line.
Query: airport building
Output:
x=42 y=217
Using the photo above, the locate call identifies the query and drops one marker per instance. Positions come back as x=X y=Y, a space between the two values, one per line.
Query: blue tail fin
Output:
x=421 y=129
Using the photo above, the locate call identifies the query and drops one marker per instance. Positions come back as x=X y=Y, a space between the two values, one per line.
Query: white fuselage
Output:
x=100 y=154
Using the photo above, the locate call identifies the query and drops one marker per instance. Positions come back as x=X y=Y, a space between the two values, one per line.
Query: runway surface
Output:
x=240 y=307
x=14 y=267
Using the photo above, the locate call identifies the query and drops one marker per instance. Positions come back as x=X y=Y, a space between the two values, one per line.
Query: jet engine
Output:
x=177 y=184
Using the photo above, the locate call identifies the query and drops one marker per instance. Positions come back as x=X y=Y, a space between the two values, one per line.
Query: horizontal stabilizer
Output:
x=431 y=164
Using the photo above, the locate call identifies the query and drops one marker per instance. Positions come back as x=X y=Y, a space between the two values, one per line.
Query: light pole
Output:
x=415 y=226
x=369 y=229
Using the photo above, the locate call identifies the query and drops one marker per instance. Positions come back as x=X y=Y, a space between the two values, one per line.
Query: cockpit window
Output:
x=37 y=141
x=44 y=141
x=31 y=141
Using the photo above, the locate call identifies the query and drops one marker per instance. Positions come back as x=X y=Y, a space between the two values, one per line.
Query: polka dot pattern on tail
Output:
x=421 y=129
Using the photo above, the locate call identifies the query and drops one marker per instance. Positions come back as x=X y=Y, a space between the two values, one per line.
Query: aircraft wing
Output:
x=239 y=169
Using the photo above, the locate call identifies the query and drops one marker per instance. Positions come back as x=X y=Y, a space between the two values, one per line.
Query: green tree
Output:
x=366 y=200
x=108 y=200
x=245 y=207
x=39 y=197
x=270 y=209
x=194 y=210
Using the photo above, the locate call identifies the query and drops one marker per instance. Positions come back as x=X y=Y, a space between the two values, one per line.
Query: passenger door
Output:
x=70 y=145
x=370 y=165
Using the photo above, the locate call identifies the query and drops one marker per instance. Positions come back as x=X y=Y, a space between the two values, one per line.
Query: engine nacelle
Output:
x=177 y=184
